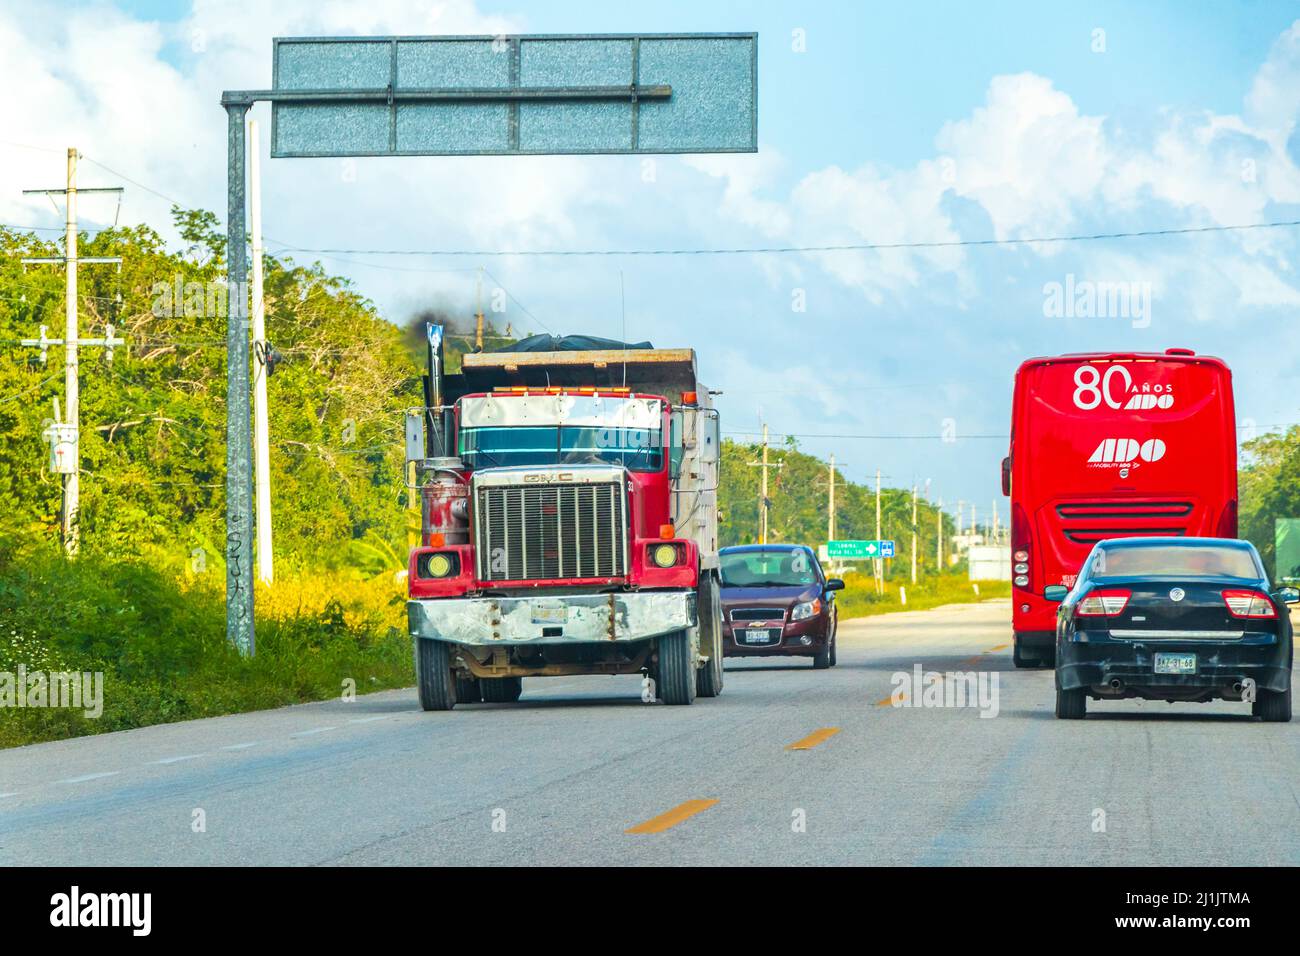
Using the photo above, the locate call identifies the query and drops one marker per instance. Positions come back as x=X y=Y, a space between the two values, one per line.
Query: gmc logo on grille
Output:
x=548 y=478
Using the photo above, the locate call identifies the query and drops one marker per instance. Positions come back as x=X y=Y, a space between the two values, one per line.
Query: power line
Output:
x=873 y=437
x=776 y=250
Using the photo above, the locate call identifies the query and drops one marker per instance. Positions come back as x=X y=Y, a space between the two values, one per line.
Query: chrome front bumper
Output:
x=564 y=619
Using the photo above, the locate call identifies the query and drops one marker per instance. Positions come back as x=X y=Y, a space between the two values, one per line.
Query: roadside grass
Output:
x=157 y=634
x=859 y=597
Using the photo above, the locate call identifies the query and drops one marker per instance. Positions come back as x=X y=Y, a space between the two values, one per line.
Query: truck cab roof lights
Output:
x=561 y=390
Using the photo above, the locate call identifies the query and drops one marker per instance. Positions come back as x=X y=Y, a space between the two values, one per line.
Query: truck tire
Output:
x=676 y=680
x=1071 y=704
x=708 y=679
x=467 y=690
x=501 y=690
x=433 y=674
x=1274 y=706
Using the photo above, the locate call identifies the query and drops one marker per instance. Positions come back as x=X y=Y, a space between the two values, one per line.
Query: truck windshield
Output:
x=637 y=449
x=767 y=569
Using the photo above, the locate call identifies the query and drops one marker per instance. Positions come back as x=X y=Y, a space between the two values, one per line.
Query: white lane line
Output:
x=167 y=760
x=367 y=720
x=314 y=730
x=251 y=743
x=3 y=795
x=91 y=776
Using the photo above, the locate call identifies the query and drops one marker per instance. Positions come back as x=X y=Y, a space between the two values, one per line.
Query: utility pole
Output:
x=72 y=403
x=880 y=570
x=261 y=420
x=938 y=549
x=830 y=508
x=478 y=312
x=913 y=533
x=994 y=534
x=764 y=503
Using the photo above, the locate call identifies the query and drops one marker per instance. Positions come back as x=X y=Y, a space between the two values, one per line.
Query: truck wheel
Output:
x=708 y=679
x=501 y=690
x=676 y=679
x=467 y=690
x=433 y=675
x=1274 y=706
x=1071 y=704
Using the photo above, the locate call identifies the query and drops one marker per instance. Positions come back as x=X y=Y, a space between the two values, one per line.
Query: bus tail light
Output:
x=1251 y=604
x=1104 y=603
x=1021 y=547
x=1228 y=520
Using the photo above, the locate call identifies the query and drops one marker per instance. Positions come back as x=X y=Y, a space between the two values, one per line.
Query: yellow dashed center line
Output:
x=814 y=738
x=997 y=647
x=889 y=700
x=666 y=821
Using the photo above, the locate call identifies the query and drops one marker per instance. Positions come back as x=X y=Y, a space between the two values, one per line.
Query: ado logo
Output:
x=1121 y=451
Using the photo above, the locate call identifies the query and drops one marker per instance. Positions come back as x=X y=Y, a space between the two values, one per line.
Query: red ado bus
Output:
x=1106 y=445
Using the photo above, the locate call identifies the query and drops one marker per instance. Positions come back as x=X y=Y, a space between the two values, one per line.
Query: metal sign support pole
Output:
x=239 y=459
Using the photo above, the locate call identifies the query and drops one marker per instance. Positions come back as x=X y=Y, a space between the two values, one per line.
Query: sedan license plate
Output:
x=758 y=637
x=1175 y=663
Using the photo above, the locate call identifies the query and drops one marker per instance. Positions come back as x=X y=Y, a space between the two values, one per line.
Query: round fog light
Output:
x=439 y=566
x=1024 y=609
x=665 y=555
x=805 y=641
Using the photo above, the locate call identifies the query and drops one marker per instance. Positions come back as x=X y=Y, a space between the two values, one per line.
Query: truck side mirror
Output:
x=1055 y=592
x=1006 y=475
x=415 y=436
x=675 y=446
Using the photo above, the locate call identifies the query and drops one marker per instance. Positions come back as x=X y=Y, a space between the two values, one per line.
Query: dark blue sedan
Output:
x=1176 y=619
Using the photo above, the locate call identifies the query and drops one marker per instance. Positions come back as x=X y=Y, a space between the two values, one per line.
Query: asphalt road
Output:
x=560 y=777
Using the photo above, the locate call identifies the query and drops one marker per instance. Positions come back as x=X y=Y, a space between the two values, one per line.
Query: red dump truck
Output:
x=569 y=522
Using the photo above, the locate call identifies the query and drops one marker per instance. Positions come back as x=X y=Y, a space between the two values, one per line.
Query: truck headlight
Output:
x=439 y=565
x=806 y=610
x=664 y=555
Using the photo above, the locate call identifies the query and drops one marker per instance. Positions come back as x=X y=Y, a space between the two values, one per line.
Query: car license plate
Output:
x=1175 y=663
x=550 y=614
x=758 y=637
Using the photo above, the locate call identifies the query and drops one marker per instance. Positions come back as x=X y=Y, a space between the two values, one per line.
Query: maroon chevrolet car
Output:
x=776 y=602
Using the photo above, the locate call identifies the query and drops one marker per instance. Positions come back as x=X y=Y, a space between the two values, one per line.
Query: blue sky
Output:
x=900 y=122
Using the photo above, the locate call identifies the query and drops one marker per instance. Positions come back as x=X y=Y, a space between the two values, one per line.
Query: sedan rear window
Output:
x=1189 y=561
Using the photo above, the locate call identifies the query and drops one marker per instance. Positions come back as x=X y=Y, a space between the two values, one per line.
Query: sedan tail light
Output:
x=1104 y=603
x=1249 y=604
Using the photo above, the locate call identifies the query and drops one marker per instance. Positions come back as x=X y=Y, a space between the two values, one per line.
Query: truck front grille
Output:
x=556 y=532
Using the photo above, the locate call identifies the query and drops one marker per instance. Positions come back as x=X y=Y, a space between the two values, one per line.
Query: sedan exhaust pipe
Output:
x=1237 y=687
x=1116 y=684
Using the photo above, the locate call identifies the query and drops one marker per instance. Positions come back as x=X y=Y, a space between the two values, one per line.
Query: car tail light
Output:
x=1249 y=604
x=1020 y=546
x=1104 y=603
